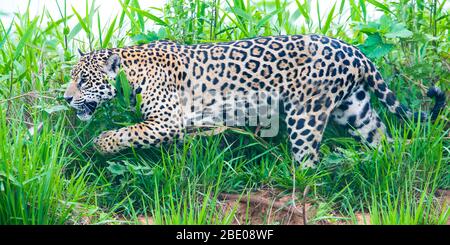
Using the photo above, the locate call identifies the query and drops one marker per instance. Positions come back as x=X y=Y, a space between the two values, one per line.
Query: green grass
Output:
x=36 y=187
x=54 y=176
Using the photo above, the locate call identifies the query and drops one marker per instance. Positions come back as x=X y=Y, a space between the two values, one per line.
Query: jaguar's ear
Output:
x=112 y=66
x=81 y=53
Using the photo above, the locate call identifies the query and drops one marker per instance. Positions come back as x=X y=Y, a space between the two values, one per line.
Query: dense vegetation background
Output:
x=50 y=174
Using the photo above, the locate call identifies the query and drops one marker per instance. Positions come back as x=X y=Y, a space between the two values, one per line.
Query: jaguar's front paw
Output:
x=107 y=143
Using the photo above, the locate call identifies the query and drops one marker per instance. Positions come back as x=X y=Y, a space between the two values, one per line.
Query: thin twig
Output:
x=73 y=128
x=305 y=193
x=31 y=93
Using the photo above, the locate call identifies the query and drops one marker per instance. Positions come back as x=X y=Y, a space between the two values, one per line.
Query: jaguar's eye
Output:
x=82 y=81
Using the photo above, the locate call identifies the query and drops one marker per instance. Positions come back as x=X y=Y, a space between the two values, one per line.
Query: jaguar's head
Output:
x=89 y=86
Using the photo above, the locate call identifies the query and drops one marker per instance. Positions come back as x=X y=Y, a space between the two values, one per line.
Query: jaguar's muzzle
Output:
x=87 y=110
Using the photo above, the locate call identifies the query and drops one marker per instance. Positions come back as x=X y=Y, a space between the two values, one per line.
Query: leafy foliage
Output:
x=374 y=47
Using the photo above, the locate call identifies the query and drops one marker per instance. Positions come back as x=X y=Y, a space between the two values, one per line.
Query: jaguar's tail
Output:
x=386 y=96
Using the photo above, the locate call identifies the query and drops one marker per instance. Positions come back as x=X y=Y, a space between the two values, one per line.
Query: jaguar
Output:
x=314 y=78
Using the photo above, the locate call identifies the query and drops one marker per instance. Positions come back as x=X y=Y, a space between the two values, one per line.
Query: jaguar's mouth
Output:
x=86 y=111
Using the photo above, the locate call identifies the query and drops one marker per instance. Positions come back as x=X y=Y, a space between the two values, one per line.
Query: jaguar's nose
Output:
x=68 y=99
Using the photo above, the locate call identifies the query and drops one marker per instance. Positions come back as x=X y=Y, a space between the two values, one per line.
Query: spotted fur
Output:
x=318 y=78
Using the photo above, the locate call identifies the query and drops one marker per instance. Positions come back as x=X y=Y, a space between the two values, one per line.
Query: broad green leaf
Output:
x=374 y=47
x=385 y=24
x=368 y=28
x=399 y=30
x=116 y=169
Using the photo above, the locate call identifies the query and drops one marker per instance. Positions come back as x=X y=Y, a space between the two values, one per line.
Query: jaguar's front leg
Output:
x=141 y=135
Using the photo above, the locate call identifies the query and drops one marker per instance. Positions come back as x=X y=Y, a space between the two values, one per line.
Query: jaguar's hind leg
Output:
x=305 y=127
x=363 y=122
